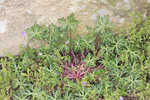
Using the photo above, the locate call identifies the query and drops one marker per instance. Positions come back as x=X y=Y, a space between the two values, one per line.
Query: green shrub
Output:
x=97 y=65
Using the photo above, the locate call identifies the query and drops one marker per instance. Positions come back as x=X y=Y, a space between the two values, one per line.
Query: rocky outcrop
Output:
x=17 y=15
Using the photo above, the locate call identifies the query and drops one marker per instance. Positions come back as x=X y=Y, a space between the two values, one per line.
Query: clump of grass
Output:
x=99 y=65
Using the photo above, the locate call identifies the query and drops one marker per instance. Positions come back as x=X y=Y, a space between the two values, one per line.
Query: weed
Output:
x=95 y=66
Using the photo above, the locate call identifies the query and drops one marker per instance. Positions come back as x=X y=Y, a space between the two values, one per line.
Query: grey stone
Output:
x=3 y=26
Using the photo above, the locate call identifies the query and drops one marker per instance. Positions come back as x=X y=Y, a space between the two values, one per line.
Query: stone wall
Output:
x=17 y=15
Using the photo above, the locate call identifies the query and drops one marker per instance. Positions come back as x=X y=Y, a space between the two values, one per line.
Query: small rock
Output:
x=3 y=26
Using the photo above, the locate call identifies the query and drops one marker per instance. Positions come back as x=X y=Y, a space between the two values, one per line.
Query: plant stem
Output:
x=70 y=37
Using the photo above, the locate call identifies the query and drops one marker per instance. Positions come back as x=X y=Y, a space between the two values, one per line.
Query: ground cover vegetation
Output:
x=99 y=65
